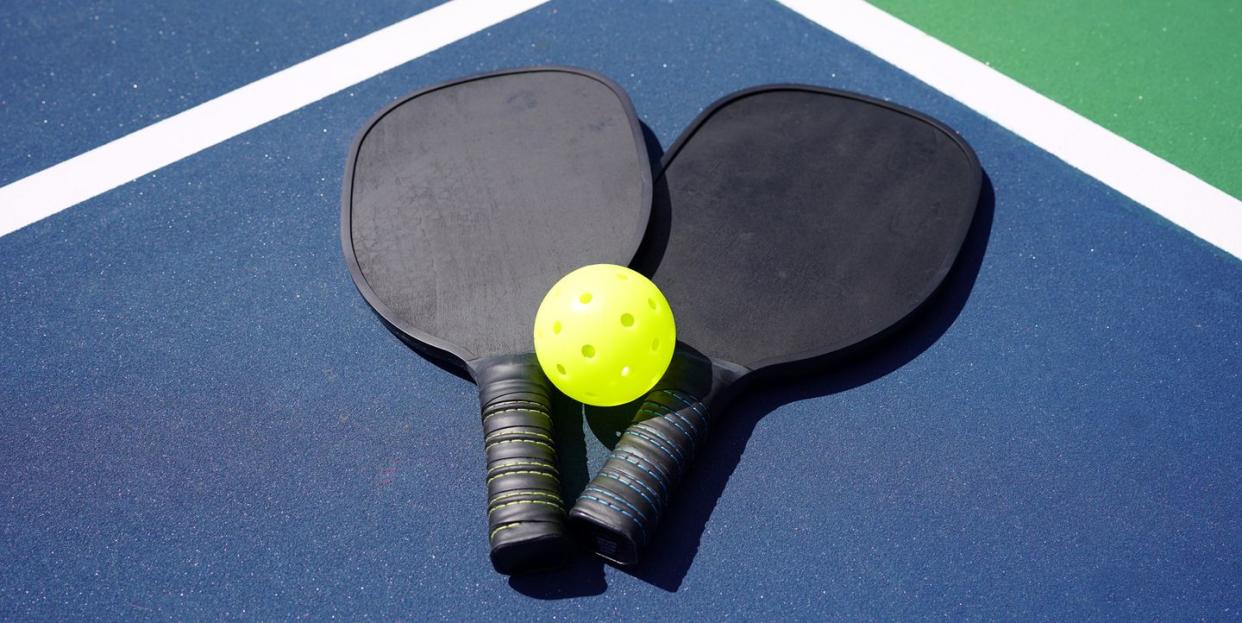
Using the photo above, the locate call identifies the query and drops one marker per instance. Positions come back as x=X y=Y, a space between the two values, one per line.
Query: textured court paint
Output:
x=221 y=118
x=79 y=74
x=200 y=419
x=1164 y=74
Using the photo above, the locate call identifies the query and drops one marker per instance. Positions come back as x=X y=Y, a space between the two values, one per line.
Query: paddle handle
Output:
x=619 y=509
x=525 y=512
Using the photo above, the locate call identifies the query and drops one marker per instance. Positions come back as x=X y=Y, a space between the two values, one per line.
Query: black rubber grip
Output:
x=620 y=508
x=525 y=512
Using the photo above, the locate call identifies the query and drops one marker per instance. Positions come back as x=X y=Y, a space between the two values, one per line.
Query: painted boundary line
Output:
x=108 y=166
x=1171 y=192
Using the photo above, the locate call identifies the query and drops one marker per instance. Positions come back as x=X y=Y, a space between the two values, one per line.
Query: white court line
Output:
x=1188 y=201
x=162 y=143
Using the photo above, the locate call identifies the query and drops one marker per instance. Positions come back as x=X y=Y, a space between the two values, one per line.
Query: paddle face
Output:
x=464 y=203
x=806 y=221
x=792 y=223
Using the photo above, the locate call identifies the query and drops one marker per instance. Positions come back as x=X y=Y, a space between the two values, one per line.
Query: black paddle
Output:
x=462 y=204
x=805 y=223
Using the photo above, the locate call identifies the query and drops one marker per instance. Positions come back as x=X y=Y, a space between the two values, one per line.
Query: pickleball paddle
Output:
x=805 y=223
x=462 y=204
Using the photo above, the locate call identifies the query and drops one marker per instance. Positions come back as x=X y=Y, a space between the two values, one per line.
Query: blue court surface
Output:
x=201 y=419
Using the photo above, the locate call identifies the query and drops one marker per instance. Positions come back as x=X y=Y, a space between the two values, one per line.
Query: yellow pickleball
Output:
x=604 y=335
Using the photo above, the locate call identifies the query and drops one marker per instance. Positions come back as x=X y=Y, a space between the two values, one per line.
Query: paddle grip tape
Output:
x=619 y=509
x=525 y=512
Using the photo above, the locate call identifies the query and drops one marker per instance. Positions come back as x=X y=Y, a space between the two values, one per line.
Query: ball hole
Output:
x=560 y=369
x=655 y=343
x=556 y=327
x=651 y=303
x=585 y=298
x=625 y=371
x=627 y=320
x=622 y=276
x=588 y=351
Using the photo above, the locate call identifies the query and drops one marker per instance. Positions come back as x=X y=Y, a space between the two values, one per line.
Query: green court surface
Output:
x=1164 y=74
